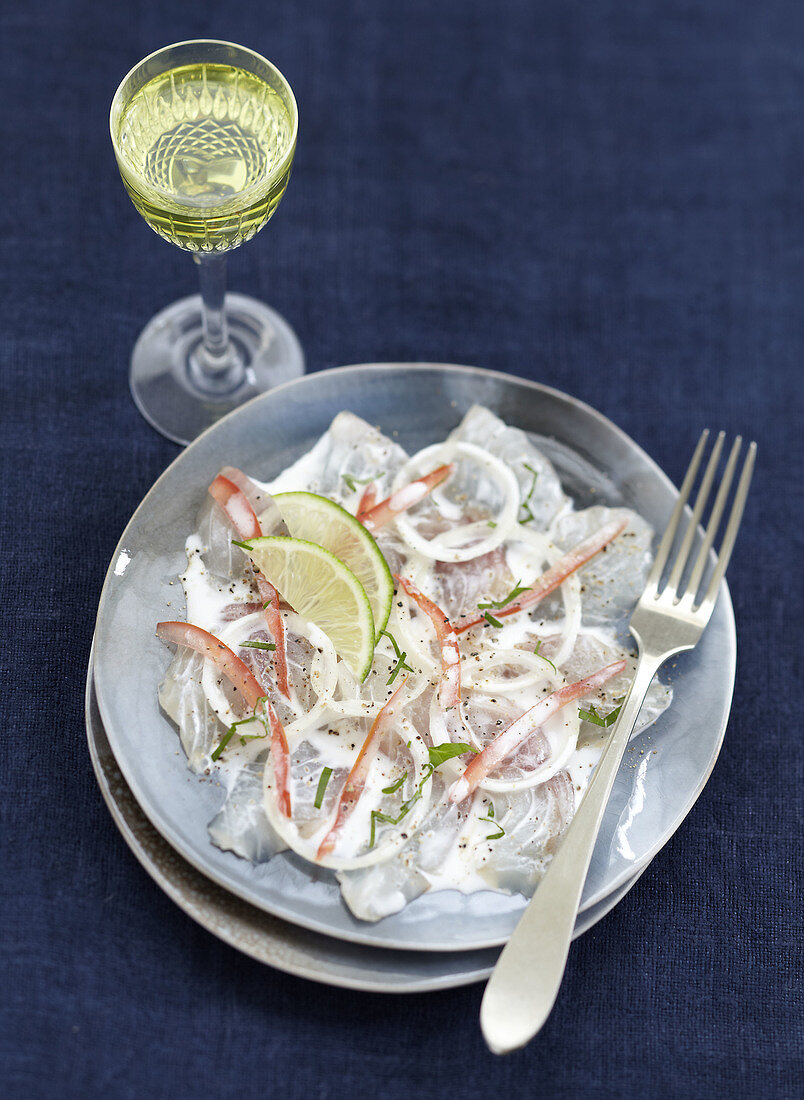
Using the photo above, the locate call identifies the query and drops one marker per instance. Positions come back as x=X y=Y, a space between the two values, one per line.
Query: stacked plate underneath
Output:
x=279 y=912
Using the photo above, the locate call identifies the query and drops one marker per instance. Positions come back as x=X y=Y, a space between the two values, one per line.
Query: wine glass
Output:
x=204 y=134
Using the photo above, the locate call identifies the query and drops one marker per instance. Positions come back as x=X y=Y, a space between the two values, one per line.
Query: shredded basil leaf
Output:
x=353 y=482
x=537 y=654
x=517 y=590
x=392 y=640
x=400 y=659
x=257 y=645
x=322 y=786
x=605 y=720
x=490 y=818
x=525 y=506
x=224 y=741
x=400 y=664
x=395 y=786
x=440 y=753
x=227 y=737
x=378 y=815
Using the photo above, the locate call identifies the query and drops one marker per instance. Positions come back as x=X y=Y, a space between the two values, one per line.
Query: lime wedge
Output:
x=319 y=520
x=320 y=587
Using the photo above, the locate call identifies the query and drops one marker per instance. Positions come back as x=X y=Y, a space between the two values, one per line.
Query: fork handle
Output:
x=523 y=988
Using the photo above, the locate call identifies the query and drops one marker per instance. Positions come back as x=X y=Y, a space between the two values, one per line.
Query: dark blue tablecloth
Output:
x=600 y=195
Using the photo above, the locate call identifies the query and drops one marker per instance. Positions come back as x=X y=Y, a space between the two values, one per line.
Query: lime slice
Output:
x=320 y=587
x=319 y=520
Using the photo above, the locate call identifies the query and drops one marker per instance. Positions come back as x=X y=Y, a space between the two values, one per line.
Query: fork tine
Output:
x=714 y=519
x=733 y=526
x=680 y=563
x=670 y=531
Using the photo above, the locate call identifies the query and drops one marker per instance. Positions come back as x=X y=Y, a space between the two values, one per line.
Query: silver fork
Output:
x=667 y=620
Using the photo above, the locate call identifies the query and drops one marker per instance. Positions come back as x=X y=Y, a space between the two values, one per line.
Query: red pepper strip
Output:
x=556 y=575
x=280 y=757
x=356 y=779
x=404 y=498
x=236 y=504
x=521 y=728
x=262 y=503
x=242 y=680
x=449 y=688
x=238 y=675
x=276 y=628
x=367 y=500
x=244 y=484
x=237 y=507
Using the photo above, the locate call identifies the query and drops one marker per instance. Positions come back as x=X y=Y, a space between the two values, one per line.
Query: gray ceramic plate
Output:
x=665 y=769
x=268 y=939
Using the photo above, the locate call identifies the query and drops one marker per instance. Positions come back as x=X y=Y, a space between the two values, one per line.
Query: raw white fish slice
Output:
x=547 y=500
x=348 y=453
x=613 y=580
x=242 y=826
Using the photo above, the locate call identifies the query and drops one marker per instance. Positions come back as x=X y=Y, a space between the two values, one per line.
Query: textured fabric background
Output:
x=600 y=195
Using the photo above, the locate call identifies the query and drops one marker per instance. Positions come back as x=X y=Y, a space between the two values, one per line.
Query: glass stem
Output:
x=216 y=364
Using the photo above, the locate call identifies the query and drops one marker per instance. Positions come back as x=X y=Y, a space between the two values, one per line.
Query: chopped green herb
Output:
x=395 y=786
x=491 y=523
x=487 y=615
x=490 y=818
x=517 y=590
x=525 y=506
x=224 y=741
x=322 y=786
x=378 y=815
x=400 y=664
x=400 y=659
x=243 y=545
x=604 y=720
x=353 y=482
x=227 y=737
x=257 y=645
x=536 y=652
x=392 y=640
x=441 y=753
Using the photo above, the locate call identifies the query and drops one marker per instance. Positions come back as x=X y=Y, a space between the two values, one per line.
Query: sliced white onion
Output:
x=323 y=673
x=561 y=730
x=414 y=636
x=352 y=704
x=307 y=846
x=439 y=734
x=437 y=455
x=562 y=743
x=539 y=671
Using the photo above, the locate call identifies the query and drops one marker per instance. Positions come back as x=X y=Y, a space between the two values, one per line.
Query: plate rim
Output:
x=357 y=935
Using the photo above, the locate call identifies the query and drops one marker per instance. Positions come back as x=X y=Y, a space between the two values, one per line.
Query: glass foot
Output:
x=170 y=386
